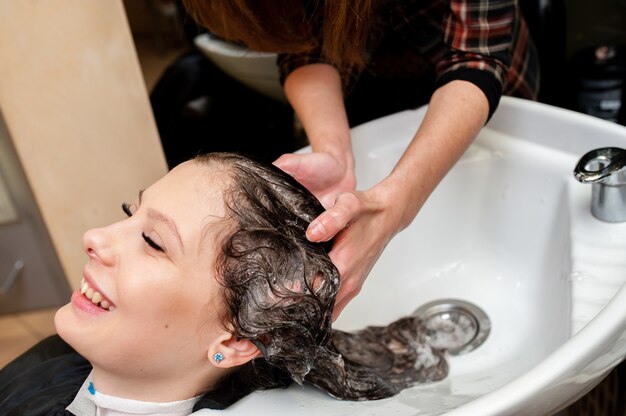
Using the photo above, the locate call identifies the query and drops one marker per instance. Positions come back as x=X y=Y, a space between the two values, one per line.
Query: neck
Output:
x=150 y=387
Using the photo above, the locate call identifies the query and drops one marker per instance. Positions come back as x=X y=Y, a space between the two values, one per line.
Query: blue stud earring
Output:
x=218 y=357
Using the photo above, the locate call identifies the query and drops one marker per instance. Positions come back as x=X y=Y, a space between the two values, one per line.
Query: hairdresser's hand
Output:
x=322 y=173
x=362 y=224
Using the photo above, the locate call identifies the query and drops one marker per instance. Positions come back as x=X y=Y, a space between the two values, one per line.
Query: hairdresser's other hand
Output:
x=322 y=173
x=362 y=223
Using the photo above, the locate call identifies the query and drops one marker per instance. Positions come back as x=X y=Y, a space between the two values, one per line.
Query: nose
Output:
x=98 y=243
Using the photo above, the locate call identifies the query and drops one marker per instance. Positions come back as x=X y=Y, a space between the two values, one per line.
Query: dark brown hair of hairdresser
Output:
x=290 y=26
x=279 y=291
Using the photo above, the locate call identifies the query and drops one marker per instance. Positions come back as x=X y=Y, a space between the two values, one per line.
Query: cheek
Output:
x=145 y=285
x=195 y=311
x=164 y=299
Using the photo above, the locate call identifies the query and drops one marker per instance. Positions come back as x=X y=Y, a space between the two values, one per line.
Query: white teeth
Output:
x=95 y=296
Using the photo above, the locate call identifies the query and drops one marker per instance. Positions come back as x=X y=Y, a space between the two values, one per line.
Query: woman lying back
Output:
x=210 y=290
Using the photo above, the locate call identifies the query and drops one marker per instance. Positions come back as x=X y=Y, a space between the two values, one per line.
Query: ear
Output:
x=234 y=352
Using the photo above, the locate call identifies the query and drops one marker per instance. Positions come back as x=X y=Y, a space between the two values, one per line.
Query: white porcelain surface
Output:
x=509 y=230
x=256 y=70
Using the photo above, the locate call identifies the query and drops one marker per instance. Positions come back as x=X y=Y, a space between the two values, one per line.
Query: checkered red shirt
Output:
x=485 y=42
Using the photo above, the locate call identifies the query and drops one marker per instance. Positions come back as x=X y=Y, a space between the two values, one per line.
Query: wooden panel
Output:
x=77 y=111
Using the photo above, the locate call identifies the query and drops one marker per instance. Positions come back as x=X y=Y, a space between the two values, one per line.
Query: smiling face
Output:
x=155 y=272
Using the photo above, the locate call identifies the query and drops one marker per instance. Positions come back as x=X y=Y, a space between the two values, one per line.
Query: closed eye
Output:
x=126 y=209
x=151 y=243
x=148 y=240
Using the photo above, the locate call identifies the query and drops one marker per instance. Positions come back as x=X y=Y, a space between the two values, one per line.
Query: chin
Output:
x=60 y=320
x=67 y=328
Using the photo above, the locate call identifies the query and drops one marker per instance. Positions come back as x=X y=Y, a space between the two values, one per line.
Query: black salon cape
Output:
x=45 y=379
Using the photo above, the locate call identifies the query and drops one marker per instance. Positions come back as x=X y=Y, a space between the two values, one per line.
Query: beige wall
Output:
x=74 y=102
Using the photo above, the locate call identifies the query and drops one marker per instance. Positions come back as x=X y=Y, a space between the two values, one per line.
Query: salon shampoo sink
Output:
x=510 y=231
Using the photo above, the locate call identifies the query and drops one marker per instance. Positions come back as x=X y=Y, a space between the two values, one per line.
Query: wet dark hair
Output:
x=279 y=291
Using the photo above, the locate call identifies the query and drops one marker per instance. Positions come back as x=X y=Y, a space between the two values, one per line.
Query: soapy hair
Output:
x=279 y=293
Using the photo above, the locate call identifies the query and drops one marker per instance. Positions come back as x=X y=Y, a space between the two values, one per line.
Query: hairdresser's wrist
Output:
x=401 y=201
x=316 y=95
x=336 y=144
x=344 y=160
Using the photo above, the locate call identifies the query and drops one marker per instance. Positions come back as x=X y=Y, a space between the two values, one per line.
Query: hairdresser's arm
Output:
x=315 y=93
x=456 y=113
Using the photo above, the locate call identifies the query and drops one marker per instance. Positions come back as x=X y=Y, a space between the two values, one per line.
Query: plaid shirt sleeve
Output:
x=485 y=42
x=479 y=36
x=287 y=63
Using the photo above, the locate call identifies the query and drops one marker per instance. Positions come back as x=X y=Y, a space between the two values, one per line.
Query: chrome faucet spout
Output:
x=605 y=169
x=601 y=163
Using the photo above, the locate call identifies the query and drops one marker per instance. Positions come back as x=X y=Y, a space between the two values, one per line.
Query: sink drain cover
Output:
x=455 y=325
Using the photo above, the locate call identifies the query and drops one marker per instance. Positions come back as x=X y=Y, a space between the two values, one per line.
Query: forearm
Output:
x=456 y=113
x=315 y=94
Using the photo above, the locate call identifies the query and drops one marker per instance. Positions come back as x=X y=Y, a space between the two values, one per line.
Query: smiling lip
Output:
x=95 y=287
x=82 y=303
x=86 y=304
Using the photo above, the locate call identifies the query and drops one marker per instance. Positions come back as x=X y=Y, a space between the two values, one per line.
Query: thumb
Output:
x=289 y=163
x=348 y=207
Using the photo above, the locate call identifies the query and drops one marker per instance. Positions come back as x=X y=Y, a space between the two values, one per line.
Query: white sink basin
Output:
x=256 y=70
x=510 y=231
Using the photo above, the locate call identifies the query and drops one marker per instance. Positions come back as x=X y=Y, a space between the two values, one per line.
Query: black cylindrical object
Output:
x=599 y=81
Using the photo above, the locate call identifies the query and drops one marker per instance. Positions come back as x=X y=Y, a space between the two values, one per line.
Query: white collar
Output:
x=89 y=402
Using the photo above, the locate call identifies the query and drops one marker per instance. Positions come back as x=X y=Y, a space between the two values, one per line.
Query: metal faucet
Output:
x=606 y=169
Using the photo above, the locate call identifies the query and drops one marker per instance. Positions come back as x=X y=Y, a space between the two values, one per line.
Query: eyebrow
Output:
x=165 y=219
